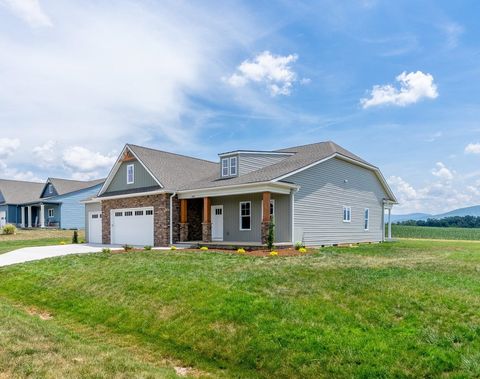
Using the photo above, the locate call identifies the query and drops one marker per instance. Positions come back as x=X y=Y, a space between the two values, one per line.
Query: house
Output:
x=55 y=203
x=319 y=194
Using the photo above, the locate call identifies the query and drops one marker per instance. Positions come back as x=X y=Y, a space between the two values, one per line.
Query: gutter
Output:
x=171 y=217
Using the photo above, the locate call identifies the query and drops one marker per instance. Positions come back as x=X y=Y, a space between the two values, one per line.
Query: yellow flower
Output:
x=173 y=248
x=302 y=250
x=273 y=253
x=241 y=251
x=62 y=242
x=204 y=248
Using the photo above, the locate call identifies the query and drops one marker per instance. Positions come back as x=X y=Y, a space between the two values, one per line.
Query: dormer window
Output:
x=233 y=166
x=229 y=166
x=225 y=165
x=50 y=189
x=130 y=174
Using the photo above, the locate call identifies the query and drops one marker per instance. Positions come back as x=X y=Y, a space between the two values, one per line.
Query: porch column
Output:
x=389 y=223
x=23 y=217
x=266 y=216
x=42 y=215
x=183 y=220
x=207 y=220
x=29 y=216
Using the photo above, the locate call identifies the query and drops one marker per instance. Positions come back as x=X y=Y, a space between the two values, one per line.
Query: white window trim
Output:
x=272 y=201
x=240 y=216
x=52 y=211
x=227 y=167
x=236 y=166
x=133 y=174
x=366 y=219
x=349 y=212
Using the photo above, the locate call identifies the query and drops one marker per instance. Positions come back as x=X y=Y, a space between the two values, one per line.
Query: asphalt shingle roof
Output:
x=63 y=186
x=18 y=192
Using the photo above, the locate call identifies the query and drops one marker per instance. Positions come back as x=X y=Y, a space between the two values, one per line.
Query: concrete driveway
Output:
x=27 y=254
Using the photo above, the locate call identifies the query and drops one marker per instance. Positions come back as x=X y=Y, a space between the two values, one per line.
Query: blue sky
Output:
x=79 y=79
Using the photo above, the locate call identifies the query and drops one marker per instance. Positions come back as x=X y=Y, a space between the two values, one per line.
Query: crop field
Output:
x=429 y=232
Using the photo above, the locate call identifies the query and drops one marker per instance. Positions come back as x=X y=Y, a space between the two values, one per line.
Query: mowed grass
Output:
x=402 y=309
x=36 y=237
x=430 y=232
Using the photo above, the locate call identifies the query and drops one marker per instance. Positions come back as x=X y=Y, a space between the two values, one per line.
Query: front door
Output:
x=217 y=223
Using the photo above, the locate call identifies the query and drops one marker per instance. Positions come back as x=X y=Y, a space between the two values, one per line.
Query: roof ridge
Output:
x=285 y=149
x=169 y=152
x=21 y=181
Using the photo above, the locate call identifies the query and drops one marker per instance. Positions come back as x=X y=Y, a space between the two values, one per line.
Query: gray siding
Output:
x=231 y=217
x=142 y=178
x=319 y=204
x=90 y=207
x=252 y=162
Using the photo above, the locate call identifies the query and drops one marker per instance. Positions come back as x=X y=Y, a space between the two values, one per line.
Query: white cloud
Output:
x=453 y=32
x=8 y=146
x=443 y=172
x=472 y=148
x=29 y=11
x=414 y=87
x=46 y=155
x=274 y=71
x=86 y=161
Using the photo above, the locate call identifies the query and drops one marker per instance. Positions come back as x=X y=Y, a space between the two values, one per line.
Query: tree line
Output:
x=447 y=222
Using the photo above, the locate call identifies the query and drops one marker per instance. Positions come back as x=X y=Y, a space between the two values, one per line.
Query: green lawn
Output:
x=403 y=309
x=36 y=237
x=406 y=231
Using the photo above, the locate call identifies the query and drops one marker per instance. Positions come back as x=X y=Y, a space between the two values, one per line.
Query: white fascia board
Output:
x=134 y=194
x=117 y=165
x=279 y=188
x=350 y=160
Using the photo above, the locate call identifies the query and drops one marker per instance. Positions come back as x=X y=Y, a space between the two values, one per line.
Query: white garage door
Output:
x=95 y=227
x=132 y=226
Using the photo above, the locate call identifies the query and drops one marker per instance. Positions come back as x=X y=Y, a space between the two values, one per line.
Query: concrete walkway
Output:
x=27 y=254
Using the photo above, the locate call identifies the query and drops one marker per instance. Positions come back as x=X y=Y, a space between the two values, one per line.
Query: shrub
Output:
x=273 y=253
x=62 y=242
x=299 y=245
x=173 y=247
x=82 y=241
x=106 y=250
x=148 y=248
x=302 y=250
x=241 y=251
x=75 y=237
x=9 y=229
x=204 y=248
x=271 y=235
x=127 y=247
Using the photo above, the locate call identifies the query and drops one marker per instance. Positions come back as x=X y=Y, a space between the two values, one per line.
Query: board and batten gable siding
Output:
x=324 y=190
x=252 y=162
x=72 y=211
x=142 y=178
x=90 y=207
x=231 y=217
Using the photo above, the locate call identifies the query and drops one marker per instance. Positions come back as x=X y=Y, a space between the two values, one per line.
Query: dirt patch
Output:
x=43 y=315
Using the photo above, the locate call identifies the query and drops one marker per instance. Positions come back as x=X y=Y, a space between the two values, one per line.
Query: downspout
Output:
x=171 y=217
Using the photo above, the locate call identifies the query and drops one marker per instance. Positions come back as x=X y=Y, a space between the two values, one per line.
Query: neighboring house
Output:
x=318 y=194
x=12 y=194
x=56 y=203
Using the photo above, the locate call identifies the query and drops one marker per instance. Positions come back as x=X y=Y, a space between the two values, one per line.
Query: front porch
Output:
x=236 y=220
x=40 y=215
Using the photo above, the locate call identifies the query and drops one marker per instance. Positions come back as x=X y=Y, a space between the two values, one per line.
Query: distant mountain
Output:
x=468 y=211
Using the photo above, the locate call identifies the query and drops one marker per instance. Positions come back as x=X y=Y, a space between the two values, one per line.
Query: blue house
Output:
x=54 y=204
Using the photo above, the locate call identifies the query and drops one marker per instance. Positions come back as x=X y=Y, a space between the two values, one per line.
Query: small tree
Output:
x=9 y=229
x=75 y=237
x=271 y=235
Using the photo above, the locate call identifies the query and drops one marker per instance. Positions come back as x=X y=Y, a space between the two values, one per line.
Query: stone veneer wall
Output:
x=161 y=215
x=194 y=219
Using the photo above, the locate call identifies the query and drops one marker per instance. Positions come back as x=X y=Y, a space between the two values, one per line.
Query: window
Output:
x=138 y=213
x=367 y=218
x=130 y=174
x=50 y=188
x=128 y=213
x=218 y=211
x=50 y=212
x=272 y=209
x=224 y=166
x=233 y=166
x=347 y=214
x=118 y=214
x=149 y=212
x=94 y=216
x=245 y=215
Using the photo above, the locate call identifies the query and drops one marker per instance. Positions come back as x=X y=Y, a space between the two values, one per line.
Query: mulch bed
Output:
x=290 y=252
